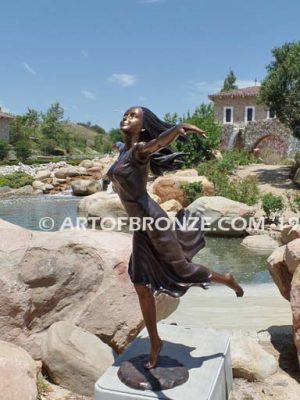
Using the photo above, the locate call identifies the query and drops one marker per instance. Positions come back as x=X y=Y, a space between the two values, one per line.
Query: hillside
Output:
x=82 y=132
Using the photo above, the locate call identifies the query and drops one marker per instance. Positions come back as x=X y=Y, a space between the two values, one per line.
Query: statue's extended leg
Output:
x=229 y=281
x=147 y=304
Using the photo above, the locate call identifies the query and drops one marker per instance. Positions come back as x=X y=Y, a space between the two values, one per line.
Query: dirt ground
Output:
x=271 y=178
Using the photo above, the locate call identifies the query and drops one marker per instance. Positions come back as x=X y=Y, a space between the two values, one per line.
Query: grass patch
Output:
x=43 y=386
x=16 y=180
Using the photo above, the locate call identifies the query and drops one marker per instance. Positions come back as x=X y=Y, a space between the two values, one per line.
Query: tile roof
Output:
x=245 y=92
x=5 y=115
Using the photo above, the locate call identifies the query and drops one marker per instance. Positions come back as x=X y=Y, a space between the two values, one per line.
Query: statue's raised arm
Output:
x=145 y=150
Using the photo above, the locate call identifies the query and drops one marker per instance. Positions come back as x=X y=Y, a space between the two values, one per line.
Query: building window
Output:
x=249 y=114
x=228 y=115
x=271 y=114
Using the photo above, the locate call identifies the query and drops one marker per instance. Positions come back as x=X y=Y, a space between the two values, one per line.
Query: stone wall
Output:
x=269 y=133
x=4 y=129
x=239 y=104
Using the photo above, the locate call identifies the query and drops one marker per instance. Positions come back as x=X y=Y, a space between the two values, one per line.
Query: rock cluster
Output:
x=284 y=266
x=83 y=179
x=72 y=276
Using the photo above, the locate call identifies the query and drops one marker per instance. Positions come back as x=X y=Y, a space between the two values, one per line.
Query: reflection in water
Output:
x=220 y=254
x=27 y=211
x=228 y=255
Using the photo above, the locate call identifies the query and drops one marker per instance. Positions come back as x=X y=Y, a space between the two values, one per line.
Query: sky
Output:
x=97 y=58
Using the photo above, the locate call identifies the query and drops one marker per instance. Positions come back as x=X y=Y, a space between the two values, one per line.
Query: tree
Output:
x=52 y=122
x=22 y=149
x=171 y=118
x=199 y=149
x=115 y=135
x=24 y=126
x=229 y=82
x=280 y=90
x=4 y=148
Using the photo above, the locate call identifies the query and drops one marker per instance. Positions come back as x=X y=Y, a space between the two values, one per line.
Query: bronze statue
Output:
x=160 y=259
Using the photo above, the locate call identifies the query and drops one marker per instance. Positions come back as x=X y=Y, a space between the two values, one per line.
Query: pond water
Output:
x=28 y=211
x=220 y=254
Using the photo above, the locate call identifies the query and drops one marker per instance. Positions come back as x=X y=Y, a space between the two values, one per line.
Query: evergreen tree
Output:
x=229 y=82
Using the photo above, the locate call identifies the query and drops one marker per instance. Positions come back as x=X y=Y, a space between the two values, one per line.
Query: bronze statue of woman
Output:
x=160 y=259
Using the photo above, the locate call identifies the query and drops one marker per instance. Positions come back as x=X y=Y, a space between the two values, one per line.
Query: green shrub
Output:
x=4 y=148
x=297 y=201
x=218 y=172
x=192 y=190
x=244 y=190
x=272 y=204
x=16 y=180
x=22 y=149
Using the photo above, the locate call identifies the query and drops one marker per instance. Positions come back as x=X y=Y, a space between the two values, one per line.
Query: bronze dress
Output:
x=160 y=259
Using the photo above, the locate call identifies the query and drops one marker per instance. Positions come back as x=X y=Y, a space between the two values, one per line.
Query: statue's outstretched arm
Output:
x=145 y=149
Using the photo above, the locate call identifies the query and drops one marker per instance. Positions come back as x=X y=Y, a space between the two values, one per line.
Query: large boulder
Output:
x=295 y=305
x=102 y=205
x=225 y=217
x=284 y=265
x=65 y=172
x=292 y=255
x=86 y=164
x=290 y=233
x=168 y=187
x=85 y=187
x=171 y=206
x=75 y=358
x=42 y=174
x=38 y=185
x=78 y=276
x=249 y=360
x=18 y=373
x=279 y=271
x=262 y=244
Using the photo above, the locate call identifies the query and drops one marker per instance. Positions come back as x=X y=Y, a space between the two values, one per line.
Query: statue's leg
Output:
x=148 y=308
x=229 y=281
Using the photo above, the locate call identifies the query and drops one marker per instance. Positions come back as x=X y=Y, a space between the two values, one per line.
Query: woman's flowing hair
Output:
x=165 y=159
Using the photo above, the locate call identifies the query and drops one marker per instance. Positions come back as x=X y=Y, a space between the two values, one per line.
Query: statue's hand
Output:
x=188 y=128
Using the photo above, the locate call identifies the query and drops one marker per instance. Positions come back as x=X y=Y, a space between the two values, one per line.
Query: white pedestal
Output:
x=205 y=352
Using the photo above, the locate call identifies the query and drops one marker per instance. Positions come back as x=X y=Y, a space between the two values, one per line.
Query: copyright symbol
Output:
x=46 y=224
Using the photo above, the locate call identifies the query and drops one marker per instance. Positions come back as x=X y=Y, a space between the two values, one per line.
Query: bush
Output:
x=272 y=204
x=197 y=148
x=244 y=190
x=16 y=180
x=218 y=172
x=192 y=190
x=4 y=148
x=22 y=149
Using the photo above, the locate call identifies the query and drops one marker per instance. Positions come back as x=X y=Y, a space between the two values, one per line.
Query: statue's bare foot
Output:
x=232 y=283
x=155 y=350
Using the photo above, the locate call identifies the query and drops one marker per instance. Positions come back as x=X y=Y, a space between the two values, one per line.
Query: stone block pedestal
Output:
x=205 y=352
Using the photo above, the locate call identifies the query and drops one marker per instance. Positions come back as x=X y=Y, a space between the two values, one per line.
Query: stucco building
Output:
x=249 y=124
x=4 y=125
x=239 y=107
